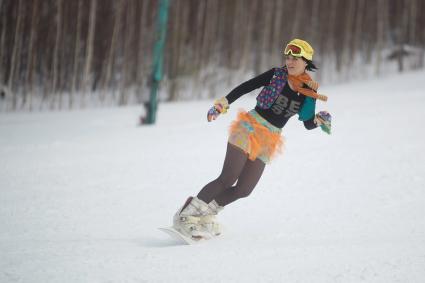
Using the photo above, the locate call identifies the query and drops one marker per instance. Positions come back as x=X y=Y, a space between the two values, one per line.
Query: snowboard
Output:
x=173 y=233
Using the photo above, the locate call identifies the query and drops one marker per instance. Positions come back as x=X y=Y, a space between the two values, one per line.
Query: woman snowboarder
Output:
x=255 y=136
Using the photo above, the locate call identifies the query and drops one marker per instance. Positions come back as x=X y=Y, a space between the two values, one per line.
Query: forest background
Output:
x=58 y=54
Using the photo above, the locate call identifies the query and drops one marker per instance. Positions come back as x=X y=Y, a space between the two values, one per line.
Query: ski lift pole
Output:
x=158 y=58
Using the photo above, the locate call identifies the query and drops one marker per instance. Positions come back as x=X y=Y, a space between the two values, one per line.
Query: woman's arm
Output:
x=310 y=124
x=221 y=105
x=250 y=85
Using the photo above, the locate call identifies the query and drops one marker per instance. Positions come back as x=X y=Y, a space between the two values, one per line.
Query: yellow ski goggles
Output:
x=299 y=48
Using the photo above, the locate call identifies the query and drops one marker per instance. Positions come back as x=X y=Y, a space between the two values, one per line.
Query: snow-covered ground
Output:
x=83 y=192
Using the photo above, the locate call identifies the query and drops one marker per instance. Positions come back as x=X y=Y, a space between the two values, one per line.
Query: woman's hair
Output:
x=310 y=65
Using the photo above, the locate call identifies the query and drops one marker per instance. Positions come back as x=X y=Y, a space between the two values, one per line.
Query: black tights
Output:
x=237 y=167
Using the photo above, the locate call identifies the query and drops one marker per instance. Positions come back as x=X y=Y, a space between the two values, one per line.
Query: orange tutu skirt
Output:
x=256 y=136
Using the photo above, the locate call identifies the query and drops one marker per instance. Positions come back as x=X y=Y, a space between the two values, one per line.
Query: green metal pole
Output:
x=158 y=58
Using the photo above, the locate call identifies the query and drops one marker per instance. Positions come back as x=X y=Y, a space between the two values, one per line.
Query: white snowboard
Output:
x=173 y=233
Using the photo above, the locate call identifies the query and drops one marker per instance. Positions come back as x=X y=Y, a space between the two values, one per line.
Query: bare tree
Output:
x=77 y=49
x=315 y=21
x=199 y=24
x=143 y=38
x=15 y=53
x=382 y=10
x=176 y=45
x=3 y=42
x=413 y=17
x=346 y=44
x=112 y=48
x=128 y=54
x=356 y=47
x=29 y=74
x=266 y=35
x=55 y=61
x=89 y=51
x=298 y=13
x=247 y=36
x=403 y=31
x=209 y=31
x=330 y=41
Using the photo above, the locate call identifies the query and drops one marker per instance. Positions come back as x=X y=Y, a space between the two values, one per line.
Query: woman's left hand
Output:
x=321 y=117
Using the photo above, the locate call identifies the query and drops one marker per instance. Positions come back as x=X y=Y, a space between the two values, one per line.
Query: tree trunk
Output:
x=402 y=35
x=176 y=42
x=413 y=19
x=247 y=37
x=266 y=35
x=208 y=42
x=77 y=49
x=3 y=45
x=89 y=52
x=299 y=11
x=357 y=46
x=15 y=54
x=128 y=54
x=347 y=44
x=106 y=85
x=65 y=61
x=315 y=21
x=330 y=43
x=141 y=50
x=29 y=74
x=380 y=35
x=55 y=63
x=199 y=24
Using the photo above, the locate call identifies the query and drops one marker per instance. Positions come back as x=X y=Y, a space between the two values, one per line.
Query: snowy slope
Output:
x=82 y=194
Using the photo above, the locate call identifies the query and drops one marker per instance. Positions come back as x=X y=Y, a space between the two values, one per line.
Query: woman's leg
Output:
x=234 y=162
x=247 y=181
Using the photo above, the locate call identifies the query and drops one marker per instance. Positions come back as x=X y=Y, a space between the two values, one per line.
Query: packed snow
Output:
x=83 y=193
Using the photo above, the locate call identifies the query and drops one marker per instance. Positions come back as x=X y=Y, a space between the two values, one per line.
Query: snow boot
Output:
x=209 y=224
x=187 y=219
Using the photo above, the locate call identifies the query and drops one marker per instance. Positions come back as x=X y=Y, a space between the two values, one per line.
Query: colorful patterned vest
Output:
x=269 y=94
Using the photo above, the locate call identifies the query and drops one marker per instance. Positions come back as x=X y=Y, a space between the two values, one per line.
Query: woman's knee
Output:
x=243 y=192
x=226 y=180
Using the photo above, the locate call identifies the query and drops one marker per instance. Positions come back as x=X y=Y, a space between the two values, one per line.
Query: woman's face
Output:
x=296 y=65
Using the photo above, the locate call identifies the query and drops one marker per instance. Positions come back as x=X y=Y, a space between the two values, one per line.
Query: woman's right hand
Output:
x=212 y=114
x=220 y=106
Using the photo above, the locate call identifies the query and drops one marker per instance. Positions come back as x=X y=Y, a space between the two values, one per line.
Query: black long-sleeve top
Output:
x=286 y=105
